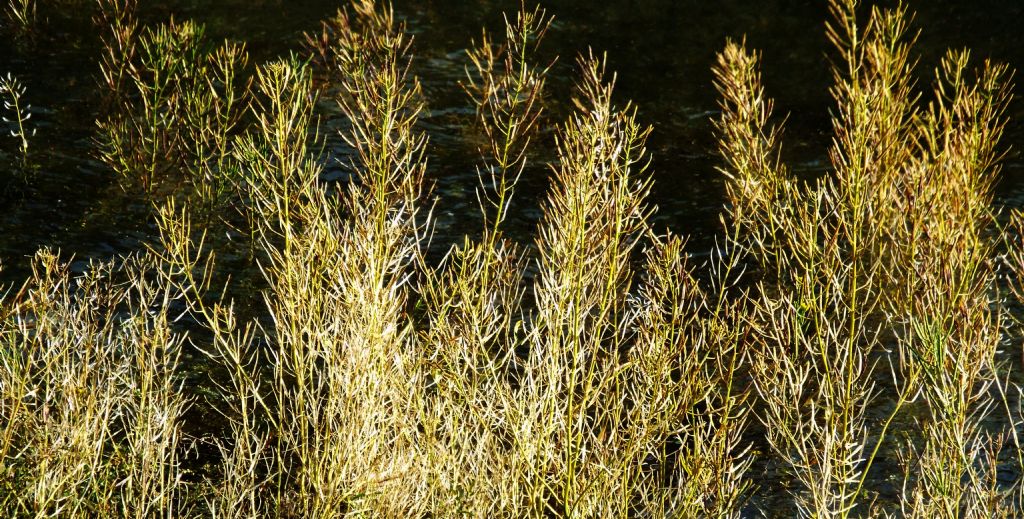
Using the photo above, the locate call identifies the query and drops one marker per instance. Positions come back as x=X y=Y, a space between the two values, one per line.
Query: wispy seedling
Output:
x=12 y=92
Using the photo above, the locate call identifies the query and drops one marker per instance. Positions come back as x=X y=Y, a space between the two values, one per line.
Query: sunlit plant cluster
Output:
x=601 y=371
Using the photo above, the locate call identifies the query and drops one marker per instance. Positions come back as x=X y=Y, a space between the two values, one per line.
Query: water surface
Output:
x=662 y=50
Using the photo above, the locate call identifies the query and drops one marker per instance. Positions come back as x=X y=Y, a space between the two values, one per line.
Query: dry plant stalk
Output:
x=213 y=112
x=474 y=298
x=800 y=356
x=609 y=383
x=582 y=406
x=593 y=218
x=141 y=138
x=507 y=89
x=234 y=492
x=342 y=403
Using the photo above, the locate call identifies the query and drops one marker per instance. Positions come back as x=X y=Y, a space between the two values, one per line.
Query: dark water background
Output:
x=662 y=50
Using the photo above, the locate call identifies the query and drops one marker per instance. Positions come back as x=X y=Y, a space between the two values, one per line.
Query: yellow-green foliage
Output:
x=598 y=372
x=91 y=407
x=895 y=246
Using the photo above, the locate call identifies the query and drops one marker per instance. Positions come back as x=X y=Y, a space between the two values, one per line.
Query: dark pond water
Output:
x=663 y=51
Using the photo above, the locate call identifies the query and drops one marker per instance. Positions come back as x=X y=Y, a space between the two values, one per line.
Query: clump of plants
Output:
x=91 y=403
x=176 y=103
x=599 y=371
x=890 y=261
